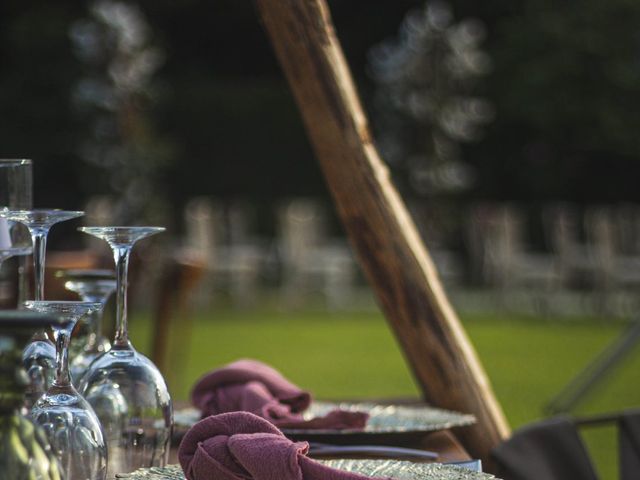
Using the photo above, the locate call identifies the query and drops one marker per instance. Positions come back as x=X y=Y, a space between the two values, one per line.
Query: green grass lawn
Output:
x=351 y=355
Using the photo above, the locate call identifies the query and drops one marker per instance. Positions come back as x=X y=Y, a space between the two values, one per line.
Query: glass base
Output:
x=40 y=218
x=122 y=236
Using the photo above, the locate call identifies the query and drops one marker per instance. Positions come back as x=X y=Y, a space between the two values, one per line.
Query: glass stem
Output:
x=96 y=326
x=39 y=238
x=63 y=378
x=94 y=320
x=121 y=257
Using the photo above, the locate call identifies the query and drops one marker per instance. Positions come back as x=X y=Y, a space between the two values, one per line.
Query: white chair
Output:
x=233 y=262
x=310 y=259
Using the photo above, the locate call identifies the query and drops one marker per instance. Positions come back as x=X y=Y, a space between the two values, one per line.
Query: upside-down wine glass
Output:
x=39 y=356
x=124 y=387
x=92 y=286
x=25 y=450
x=71 y=425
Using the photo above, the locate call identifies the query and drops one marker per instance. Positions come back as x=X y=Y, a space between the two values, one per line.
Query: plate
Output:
x=383 y=419
x=389 y=418
x=373 y=468
x=407 y=470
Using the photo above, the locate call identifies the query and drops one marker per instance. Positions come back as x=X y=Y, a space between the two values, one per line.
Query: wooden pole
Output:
x=379 y=227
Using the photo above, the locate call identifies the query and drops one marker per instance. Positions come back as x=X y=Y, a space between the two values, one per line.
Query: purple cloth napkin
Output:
x=243 y=446
x=252 y=386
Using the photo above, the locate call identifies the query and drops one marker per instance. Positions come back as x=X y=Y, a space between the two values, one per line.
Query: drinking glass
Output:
x=71 y=425
x=10 y=251
x=16 y=192
x=39 y=222
x=25 y=452
x=16 y=182
x=124 y=387
x=92 y=286
x=39 y=356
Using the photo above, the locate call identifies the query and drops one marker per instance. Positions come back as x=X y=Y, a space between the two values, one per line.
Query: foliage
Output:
x=573 y=70
x=424 y=96
x=566 y=86
x=115 y=46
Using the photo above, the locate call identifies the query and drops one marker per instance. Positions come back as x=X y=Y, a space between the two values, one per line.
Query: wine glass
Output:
x=124 y=387
x=16 y=180
x=39 y=222
x=71 y=425
x=39 y=356
x=25 y=450
x=91 y=286
x=16 y=192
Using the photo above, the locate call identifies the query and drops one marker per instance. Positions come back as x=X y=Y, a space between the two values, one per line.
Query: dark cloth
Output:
x=548 y=450
x=629 y=445
x=251 y=386
x=243 y=446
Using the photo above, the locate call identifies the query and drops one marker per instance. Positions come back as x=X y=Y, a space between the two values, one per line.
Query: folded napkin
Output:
x=252 y=386
x=550 y=449
x=243 y=446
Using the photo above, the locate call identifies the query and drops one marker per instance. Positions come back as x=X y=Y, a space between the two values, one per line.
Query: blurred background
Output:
x=509 y=127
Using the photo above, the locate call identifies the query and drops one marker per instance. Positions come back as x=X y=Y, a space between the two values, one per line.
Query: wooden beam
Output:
x=379 y=227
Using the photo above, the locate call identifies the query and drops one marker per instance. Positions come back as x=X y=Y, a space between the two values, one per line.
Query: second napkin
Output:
x=252 y=386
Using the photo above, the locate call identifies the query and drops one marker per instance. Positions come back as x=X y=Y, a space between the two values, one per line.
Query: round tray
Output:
x=373 y=468
x=386 y=422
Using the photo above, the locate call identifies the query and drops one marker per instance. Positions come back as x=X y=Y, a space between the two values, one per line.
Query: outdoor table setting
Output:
x=400 y=425
x=119 y=417
x=103 y=410
x=333 y=429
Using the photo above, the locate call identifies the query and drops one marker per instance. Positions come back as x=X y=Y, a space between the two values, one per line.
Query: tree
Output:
x=115 y=44
x=425 y=97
